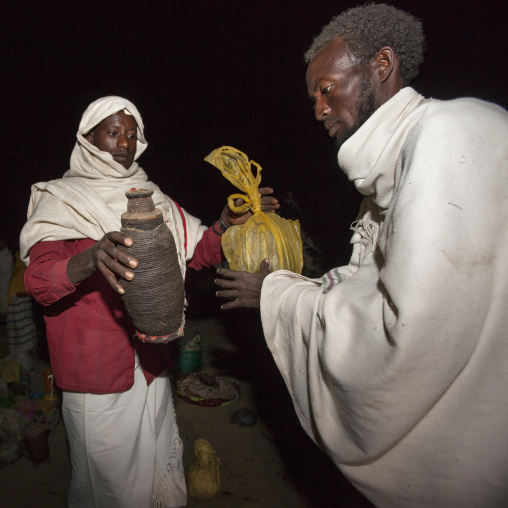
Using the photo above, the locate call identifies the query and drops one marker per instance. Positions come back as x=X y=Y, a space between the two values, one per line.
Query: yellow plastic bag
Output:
x=263 y=235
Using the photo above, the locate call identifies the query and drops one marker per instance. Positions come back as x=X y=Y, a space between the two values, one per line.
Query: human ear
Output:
x=89 y=137
x=386 y=62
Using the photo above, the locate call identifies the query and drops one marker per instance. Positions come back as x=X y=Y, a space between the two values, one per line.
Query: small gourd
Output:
x=203 y=480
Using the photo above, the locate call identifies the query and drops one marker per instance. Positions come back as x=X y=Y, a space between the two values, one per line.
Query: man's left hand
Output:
x=242 y=288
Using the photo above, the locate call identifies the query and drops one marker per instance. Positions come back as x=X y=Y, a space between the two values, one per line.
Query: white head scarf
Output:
x=90 y=198
x=87 y=160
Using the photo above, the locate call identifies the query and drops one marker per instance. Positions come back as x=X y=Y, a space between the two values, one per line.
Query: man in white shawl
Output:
x=117 y=403
x=398 y=363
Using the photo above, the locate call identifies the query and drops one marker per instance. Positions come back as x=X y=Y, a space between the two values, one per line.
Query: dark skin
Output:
x=337 y=88
x=117 y=135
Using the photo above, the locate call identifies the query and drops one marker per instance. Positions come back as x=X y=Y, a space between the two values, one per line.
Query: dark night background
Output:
x=210 y=73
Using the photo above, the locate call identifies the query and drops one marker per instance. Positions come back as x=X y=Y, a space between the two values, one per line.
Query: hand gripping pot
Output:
x=155 y=297
x=264 y=235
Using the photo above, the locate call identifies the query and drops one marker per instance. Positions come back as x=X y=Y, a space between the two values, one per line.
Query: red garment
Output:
x=90 y=336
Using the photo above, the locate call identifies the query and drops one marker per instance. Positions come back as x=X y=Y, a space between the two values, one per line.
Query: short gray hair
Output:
x=367 y=28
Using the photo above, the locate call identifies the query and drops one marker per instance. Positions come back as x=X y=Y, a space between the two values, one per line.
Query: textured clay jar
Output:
x=155 y=297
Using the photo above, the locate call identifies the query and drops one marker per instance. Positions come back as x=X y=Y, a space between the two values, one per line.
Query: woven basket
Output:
x=155 y=297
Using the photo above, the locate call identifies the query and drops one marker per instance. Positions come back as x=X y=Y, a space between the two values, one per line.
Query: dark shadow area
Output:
x=308 y=468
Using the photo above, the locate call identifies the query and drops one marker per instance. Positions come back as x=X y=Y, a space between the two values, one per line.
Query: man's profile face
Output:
x=343 y=95
x=117 y=135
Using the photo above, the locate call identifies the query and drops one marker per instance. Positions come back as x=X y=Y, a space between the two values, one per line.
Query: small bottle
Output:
x=24 y=377
x=48 y=380
x=190 y=357
x=50 y=388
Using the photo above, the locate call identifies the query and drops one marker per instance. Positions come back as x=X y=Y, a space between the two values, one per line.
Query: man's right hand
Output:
x=243 y=288
x=106 y=257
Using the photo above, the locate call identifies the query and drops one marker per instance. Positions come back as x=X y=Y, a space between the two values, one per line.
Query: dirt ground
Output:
x=271 y=464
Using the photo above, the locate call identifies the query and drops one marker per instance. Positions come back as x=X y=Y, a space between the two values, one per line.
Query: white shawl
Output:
x=90 y=198
x=400 y=372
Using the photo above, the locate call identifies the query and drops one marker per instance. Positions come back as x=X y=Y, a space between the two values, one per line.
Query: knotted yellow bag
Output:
x=263 y=235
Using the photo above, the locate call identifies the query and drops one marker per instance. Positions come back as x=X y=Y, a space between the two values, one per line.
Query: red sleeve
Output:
x=46 y=275
x=208 y=251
